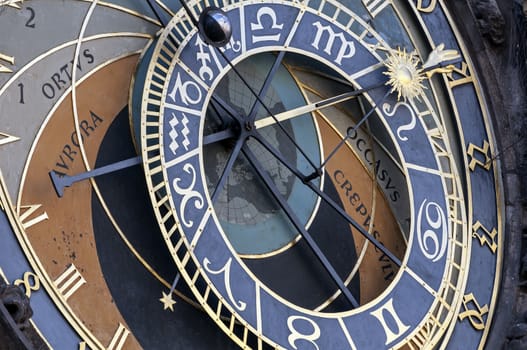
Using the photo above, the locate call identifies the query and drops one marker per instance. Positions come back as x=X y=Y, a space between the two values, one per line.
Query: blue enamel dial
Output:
x=254 y=186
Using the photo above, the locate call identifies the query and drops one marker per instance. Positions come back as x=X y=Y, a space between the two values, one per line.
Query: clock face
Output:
x=92 y=262
x=325 y=179
x=319 y=180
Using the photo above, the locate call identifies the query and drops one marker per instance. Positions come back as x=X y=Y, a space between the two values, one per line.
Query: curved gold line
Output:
x=64 y=45
x=85 y=158
x=126 y=10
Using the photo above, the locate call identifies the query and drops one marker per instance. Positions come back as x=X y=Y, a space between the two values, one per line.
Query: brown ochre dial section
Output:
x=64 y=242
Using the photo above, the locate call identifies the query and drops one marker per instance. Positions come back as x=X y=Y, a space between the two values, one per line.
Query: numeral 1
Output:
x=391 y=334
x=69 y=281
x=21 y=86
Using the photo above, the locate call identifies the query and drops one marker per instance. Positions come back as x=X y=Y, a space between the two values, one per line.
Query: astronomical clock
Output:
x=298 y=174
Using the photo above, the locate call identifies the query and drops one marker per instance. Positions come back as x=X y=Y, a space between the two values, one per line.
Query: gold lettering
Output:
x=82 y=345
x=30 y=281
x=475 y=316
x=487 y=237
x=482 y=150
x=69 y=281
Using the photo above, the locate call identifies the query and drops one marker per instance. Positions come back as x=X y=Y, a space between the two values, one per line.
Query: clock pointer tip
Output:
x=57 y=182
x=214 y=26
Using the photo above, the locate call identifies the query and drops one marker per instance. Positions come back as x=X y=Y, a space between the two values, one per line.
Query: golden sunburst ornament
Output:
x=405 y=76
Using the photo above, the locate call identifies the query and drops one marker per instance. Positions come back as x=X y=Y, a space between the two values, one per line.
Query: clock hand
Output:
x=326 y=198
x=298 y=225
x=266 y=85
x=349 y=133
x=292 y=113
x=59 y=182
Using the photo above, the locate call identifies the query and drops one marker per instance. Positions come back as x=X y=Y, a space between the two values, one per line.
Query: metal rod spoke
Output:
x=327 y=199
x=266 y=85
x=228 y=169
x=299 y=226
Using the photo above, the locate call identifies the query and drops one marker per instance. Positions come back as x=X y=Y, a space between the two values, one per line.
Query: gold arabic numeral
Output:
x=426 y=6
x=119 y=338
x=69 y=281
x=6 y=138
x=30 y=281
x=486 y=237
x=484 y=152
x=6 y=58
x=459 y=76
x=391 y=334
x=474 y=315
x=375 y=6
x=27 y=219
x=82 y=345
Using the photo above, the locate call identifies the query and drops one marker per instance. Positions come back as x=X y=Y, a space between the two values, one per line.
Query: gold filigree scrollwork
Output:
x=487 y=237
x=474 y=315
x=484 y=150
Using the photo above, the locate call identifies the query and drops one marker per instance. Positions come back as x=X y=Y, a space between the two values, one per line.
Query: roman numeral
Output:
x=119 y=338
x=6 y=58
x=6 y=138
x=27 y=219
x=69 y=281
x=375 y=6
x=391 y=334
